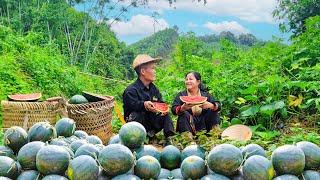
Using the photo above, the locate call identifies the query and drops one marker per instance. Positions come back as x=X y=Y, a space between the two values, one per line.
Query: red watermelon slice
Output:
x=25 y=97
x=161 y=107
x=195 y=100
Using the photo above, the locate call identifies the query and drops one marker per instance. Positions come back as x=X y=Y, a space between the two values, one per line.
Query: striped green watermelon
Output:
x=215 y=177
x=6 y=151
x=52 y=159
x=288 y=159
x=147 y=167
x=311 y=175
x=193 y=150
x=27 y=154
x=78 y=99
x=88 y=149
x=132 y=135
x=253 y=149
x=81 y=134
x=286 y=177
x=148 y=150
x=78 y=143
x=312 y=154
x=83 y=167
x=29 y=175
x=8 y=167
x=15 y=137
x=114 y=139
x=60 y=141
x=176 y=174
x=116 y=159
x=193 y=167
x=170 y=157
x=94 y=139
x=164 y=174
x=41 y=131
x=54 y=177
x=225 y=159
x=65 y=127
x=258 y=167
x=126 y=177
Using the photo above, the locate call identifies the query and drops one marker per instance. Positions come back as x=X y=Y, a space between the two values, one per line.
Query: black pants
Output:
x=205 y=121
x=153 y=122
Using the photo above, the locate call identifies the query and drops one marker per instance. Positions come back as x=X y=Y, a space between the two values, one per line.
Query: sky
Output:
x=236 y=16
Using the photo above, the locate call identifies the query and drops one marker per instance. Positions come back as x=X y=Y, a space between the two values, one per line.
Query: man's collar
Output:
x=142 y=86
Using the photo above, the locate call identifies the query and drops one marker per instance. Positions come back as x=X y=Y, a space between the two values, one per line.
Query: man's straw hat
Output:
x=237 y=132
x=142 y=59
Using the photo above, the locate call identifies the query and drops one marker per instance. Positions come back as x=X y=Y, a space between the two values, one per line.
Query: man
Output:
x=138 y=98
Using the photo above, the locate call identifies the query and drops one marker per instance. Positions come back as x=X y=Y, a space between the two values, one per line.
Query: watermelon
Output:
x=238 y=176
x=8 y=167
x=99 y=146
x=312 y=154
x=81 y=134
x=41 y=131
x=193 y=167
x=70 y=139
x=78 y=99
x=65 y=127
x=88 y=149
x=15 y=137
x=288 y=159
x=161 y=107
x=52 y=159
x=170 y=157
x=193 y=99
x=94 y=139
x=6 y=151
x=60 y=141
x=78 y=143
x=29 y=175
x=147 y=167
x=164 y=174
x=311 y=175
x=176 y=174
x=286 y=177
x=253 y=149
x=225 y=159
x=54 y=177
x=215 y=177
x=193 y=150
x=126 y=177
x=132 y=135
x=114 y=139
x=258 y=167
x=71 y=153
x=116 y=159
x=148 y=150
x=27 y=154
x=4 y=178
x=83 y=167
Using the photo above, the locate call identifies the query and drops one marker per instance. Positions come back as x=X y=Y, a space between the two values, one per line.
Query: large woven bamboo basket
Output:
x=26 y=114
x=93 y=117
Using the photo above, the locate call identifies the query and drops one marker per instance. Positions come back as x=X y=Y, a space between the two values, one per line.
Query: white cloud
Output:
x=192 y=25
x=231 y=26
x=247 y=10
x=138 y=25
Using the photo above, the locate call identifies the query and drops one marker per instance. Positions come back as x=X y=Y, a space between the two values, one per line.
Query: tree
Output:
x=293 y=14
x=247 y=39
x=229 y=36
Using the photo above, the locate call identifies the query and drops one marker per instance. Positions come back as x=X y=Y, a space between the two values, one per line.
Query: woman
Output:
x=194 y=118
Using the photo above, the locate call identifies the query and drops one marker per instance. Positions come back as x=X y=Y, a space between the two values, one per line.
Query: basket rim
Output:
x=25 y=97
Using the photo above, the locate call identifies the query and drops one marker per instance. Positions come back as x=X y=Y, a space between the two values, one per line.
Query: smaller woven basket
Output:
x=93 y=117
x=26 y=114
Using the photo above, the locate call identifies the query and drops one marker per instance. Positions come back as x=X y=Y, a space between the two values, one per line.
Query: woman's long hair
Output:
x=197 y=75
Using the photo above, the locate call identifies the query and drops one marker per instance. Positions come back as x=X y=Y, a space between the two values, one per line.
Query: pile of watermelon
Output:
x=61 y=152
